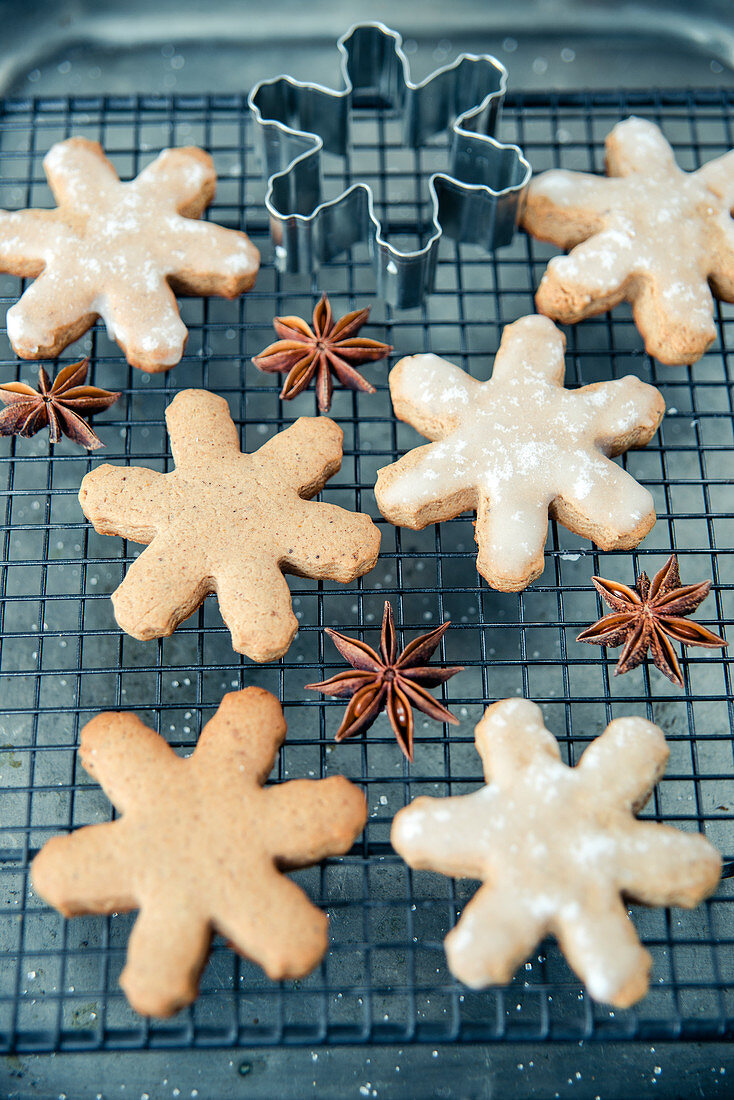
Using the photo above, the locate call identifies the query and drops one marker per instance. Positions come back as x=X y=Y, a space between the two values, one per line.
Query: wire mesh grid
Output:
x=62 y=658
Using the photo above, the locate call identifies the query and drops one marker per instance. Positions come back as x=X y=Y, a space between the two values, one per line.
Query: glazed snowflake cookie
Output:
x=652 y=235
x=119 y=251
x=518 y=447
x=557 y=849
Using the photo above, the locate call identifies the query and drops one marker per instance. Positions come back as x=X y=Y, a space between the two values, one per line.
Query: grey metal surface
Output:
x=476 y=201
x=571 y=1071
x=85 y=48
x=107 y=46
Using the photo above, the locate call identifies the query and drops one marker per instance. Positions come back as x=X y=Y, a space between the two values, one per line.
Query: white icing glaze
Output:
x=556 y=847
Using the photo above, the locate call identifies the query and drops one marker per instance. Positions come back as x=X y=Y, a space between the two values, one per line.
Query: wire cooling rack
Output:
x=62 y=657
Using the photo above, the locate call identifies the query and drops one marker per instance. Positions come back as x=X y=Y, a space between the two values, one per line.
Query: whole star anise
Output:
x=61 y=405
x=388 y=681
x=330 y=347
x=648 y=616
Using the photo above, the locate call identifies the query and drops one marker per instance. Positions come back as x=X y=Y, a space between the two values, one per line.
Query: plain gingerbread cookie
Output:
x=229 y=523
x=119 y=251
x=199 y=848
x=557 y=849
x=653 y=235
x=516 y=447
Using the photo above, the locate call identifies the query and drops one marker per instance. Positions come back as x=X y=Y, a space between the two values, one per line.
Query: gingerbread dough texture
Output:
x=200 y=847
x=650 y=234
x=119 y=251
x=518 y=447
x=228 y=523
x=557 y=848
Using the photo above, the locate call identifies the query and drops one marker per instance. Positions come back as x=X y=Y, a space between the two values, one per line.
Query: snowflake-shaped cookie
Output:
x=653 y=235
x=517 y=446
x=118 y=251
x=200 y=848
x=229 y=523
x=557 y=849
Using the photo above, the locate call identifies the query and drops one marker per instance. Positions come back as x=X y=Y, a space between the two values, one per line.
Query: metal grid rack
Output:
x=62 y=657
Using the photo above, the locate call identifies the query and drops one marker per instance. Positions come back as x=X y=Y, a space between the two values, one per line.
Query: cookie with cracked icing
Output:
x=650 y=234
x=229 y=523
x=557 y=849
x=200 y=848
x=119 y=251
x=517 y=447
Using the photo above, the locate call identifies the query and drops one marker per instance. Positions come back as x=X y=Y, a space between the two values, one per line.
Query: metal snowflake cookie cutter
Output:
x=478 y=201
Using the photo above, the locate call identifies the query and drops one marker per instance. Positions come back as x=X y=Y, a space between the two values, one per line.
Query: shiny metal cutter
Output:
x=477 y=201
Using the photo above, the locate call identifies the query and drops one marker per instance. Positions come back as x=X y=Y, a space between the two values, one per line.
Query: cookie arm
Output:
x=25 y=238
x=511 y=532
x=304 y=455
x=497 y=931
x=255 y=603
x=602 y=947
x=203 y=258
x=327 y=541
x=604 y=504
x=117 y=750
x=162 y=587
x=432 y=394
x=141 y=315
x=310 y=819
x=637 y=145
x=531 y=350
x=271 y=921
x=244 y=735
x=626 y=412
x=510 y=737
x=52 y=312
x=565 y=207
x=201 y=429
x=166 y=953
x=184 y=177
x=122 y=500
x=676 y=324
x=591 y=279
x=440 y=834
x=88 y=871
x=78 y=172
x=425 y=486
x=659 y=865
x=623 y=765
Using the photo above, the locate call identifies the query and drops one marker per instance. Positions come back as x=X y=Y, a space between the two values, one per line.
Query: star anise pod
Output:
x=330 y=347
x=61 y=405
x=388 y=681
x=648 y=616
